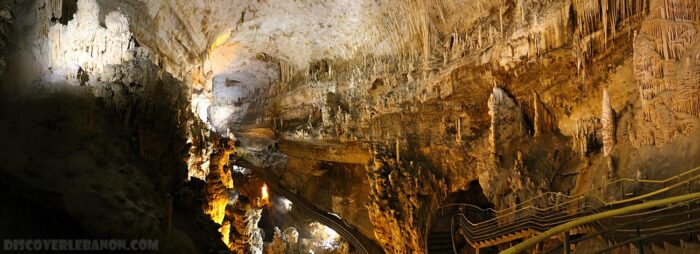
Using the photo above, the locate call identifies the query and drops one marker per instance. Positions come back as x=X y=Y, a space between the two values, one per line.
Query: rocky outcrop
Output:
x=504 y=176
x=402 y=194
x=507 y=122
x=219 y=182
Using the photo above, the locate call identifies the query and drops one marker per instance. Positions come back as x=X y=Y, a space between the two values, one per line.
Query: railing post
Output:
x=690 y=216
x=622 y=190
x=665 y=192
x=640 y=244
x=566 y=243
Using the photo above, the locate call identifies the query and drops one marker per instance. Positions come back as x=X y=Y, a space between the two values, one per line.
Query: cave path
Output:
x=361 y=243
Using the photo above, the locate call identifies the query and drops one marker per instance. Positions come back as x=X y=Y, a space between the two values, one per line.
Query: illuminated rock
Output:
x=84 y=44
x=607 y=121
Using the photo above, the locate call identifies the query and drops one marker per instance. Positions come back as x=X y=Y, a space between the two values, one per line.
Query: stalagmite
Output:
x=495 y=98
x=459 y=130
x=607 y=120
x=398 y=151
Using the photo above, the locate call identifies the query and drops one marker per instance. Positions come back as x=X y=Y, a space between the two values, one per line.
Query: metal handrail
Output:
x=540 y=223
x=595 y=217
x=649 y=216
x=598 y=188
x=497 y=226
x=685 y=225
x=518 y=212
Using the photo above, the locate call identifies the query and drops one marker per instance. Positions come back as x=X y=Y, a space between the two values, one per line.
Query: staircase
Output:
x=612 y=209
x=665 y=247
x=440 y=243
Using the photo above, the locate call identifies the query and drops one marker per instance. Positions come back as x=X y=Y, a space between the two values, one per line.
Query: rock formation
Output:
x=84 y=44
x=219 y=181
x=543 y=121
x=401 y=196
x=607 y=122
x=660 y=45
x=506 y=120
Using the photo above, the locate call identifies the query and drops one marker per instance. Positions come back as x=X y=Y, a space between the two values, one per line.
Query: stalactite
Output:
x=286 y=71
x=687 y=99
x=507 y=121
x=543 y=121
x=586 y=136
x=596 y=21
x=607 y=120
x=496 y=97
x=662 y=41
x=56 y=7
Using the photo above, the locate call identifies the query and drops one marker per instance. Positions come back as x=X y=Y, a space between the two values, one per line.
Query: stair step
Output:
x=633 y=249
x=658 y=250
x=446 y=248
x=440 y=252
x=441 y=241
x=689 y=245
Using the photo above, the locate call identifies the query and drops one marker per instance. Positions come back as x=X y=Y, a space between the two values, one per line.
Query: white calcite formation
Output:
x=255 y=234
x=56 y=8
x=84 y=44
x=607 y=121
x=665 y=75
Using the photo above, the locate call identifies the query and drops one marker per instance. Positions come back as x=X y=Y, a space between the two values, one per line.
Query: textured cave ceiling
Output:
x=295 y=31
x=230 y=38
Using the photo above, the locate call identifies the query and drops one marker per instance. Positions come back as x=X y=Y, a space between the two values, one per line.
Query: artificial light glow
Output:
x=286 y=204
x=241 y=170
x=265 y=199
x=200 y=106
x=324 y=237
x=221 y=39
x=220 y=115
